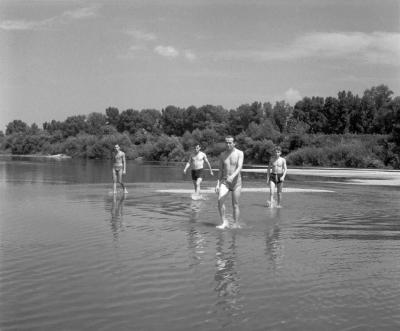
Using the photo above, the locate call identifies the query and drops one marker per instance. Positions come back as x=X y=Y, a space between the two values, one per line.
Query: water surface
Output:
x=74 y=257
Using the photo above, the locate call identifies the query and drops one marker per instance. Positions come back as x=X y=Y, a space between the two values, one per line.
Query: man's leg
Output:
x=197 y=185
x=279 y=188
x=223 y=194
x=114 y=181
x=271 y=193
x=120 y=182
x=235 y=203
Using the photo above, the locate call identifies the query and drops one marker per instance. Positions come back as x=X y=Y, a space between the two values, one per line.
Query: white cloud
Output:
x=65 y=17
x=81 y=13
x=167 y=51
x=19 y=25
x=190 y=56
x=292 y=96
x=141 y=35
x=376 y=47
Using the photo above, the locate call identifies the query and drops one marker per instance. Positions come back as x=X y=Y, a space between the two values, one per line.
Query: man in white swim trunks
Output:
x=229 y=180
x=276 y=176
x=119 y=169
x=196 y=162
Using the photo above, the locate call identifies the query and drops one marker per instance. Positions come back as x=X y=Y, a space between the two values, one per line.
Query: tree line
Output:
x=347 y=130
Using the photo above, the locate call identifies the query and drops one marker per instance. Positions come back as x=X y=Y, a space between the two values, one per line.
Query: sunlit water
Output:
x=74 y=257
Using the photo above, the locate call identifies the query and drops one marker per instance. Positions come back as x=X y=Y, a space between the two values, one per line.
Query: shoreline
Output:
x=383 y=177
x=361 y=176
x=54 y=156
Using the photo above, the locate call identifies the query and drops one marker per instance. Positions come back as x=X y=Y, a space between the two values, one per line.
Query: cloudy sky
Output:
x=60 y=58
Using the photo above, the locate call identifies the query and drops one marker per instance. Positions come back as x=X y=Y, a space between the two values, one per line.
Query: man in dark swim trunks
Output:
x=196 y=162
x=275 y=176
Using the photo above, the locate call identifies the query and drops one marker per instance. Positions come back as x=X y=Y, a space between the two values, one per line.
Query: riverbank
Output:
x=349 y=175
x=54 y=156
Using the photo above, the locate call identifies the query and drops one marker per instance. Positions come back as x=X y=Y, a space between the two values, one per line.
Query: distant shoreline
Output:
x=54 y=156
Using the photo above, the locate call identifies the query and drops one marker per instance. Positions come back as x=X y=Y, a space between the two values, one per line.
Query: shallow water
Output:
x=74 y=257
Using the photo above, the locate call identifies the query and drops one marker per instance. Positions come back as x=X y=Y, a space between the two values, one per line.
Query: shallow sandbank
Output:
x=54 y=156
x=351 y=176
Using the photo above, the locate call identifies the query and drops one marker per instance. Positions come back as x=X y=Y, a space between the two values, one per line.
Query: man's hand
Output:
x=217 y=188
x=229 y=179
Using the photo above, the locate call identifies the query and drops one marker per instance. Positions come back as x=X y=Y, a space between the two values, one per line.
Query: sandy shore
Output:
x=54 y=156
x=351 y=176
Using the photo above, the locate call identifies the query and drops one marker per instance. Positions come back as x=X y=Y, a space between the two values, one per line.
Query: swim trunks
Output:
x=276 y=178
x=117 y=168
x=197 y=173
x=234 y=185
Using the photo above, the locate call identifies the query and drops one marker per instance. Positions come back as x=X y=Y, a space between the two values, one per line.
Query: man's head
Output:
x=277 y=150
x=197 y=147
x=229 y=142
x=116 y=147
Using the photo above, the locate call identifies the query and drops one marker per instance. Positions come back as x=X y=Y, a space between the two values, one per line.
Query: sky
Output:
x=62 y=58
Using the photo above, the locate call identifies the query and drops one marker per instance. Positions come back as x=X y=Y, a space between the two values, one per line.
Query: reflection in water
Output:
x=196 y=243
x=195 y=208
x=226 y=275
x=273 y=245
x=117 y=214
x=196 y=240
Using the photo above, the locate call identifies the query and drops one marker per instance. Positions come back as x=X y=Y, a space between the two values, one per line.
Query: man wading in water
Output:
x=196 y=162
x=230 y=165
x=119 y=169
x=275 y=176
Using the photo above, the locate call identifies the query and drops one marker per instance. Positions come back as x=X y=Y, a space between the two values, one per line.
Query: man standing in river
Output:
x=196 y=162
x=119 y=169
x=229 y=180
x=275 y=176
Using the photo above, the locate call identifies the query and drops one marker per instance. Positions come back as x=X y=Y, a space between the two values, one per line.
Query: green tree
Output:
x=34 y=129
x=129 y=120
x=331 y=113
x=150 y=120
x=240 y=119
x=281 y=114
x=74 y=125
x=310 y=111
x=112 y=115
x=16 y=126
x=173 y=122
x=95 y=123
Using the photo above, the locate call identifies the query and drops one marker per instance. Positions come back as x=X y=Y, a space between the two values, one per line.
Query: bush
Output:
x=354 y=155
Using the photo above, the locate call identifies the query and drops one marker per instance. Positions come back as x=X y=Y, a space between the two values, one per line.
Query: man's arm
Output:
x=238 y=167
x=268 y=170
x=284 y=167
x=208 y=163
x=124 y=162
x=220 y=173
x=186 y=166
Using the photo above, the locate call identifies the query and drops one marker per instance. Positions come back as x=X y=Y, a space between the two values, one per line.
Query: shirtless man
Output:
x=230 y=165
x=196 y=162
x=119 y=169
x=276 y=175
